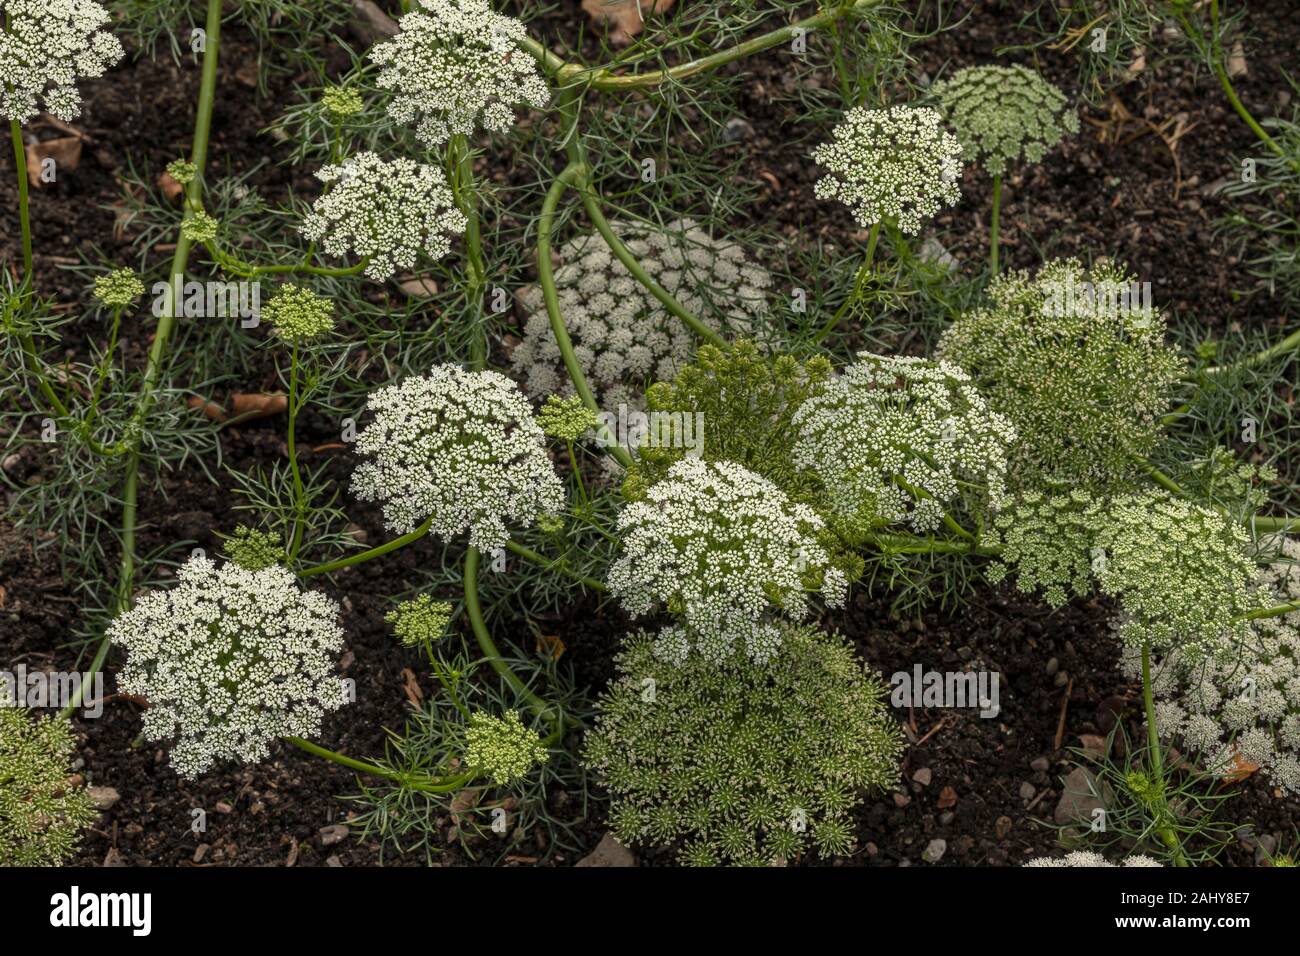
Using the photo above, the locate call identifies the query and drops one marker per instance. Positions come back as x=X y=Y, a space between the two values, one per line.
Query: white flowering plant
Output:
x=457 y=405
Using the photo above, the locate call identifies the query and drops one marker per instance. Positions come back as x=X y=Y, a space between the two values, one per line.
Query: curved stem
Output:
x=375 y=552
x=1216 y=57
x=546 y=279
x=490 y=652
x=602 y=78
x=158 y=351
x=591 y=203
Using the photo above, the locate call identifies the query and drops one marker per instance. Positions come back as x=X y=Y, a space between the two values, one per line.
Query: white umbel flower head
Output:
x=891 y=165
x=456 y=64
x=461 y=448
x=725 y=548
x=388 y=212
x=894 y=437
x=622 y=335
x=230 y=659
x=1088 y=858
x=1240 y=704
x=45 y=47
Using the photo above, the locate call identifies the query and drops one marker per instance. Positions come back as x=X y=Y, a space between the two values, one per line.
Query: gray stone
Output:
x=608 y=852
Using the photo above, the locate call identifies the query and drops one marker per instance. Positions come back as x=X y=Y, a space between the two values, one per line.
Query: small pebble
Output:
x=935 y=851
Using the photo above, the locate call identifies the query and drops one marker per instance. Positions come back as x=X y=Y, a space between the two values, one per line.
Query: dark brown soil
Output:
x=1088 y=198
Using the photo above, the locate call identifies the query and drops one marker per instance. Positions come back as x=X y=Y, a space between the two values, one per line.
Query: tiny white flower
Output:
x=456 y=64
x=890 y=165
x=729 y=551
x=388 y=212
x=230 y=659
x=45 y=47
x=461 y=448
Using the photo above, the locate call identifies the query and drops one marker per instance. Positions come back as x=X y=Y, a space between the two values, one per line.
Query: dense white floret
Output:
x=725 y=548
x=893 y=438
x=1240 y=704
x=230 y=659
x=1090 y=859
x=456 y=64
x=622 y=335
x=45 y=47
x=891 y=165
x=460 y=447
x=388 y=212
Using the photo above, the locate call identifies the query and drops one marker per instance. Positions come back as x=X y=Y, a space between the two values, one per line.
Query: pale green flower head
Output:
x=341 y=102
x=182 y=170
x=567 y=419
x=744 y=763
x=41 y=815
x=1003 y=114
x=199 y=228
x=119 y=288
x=253 y=549
x=419 y=621
x=298 y=314
x=502 y=747
x=1077 y=360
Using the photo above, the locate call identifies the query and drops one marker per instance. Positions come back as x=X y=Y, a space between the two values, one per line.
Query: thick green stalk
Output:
x=490 y=652
x=24 y=211
x=461 y=176
x=546 y=279
x=158 y=351
x=602 y=77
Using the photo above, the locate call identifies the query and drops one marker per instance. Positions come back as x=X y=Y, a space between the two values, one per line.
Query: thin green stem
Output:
x=422 y=783
x=591 y=203
x=1159 y=804
x=555 y=565
x=603 y=77
x=859 y=280
x=158 y=351
x=490 y=652
x=299 y=493
x=993 y=225
x=369 y=555
x=546 y=279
